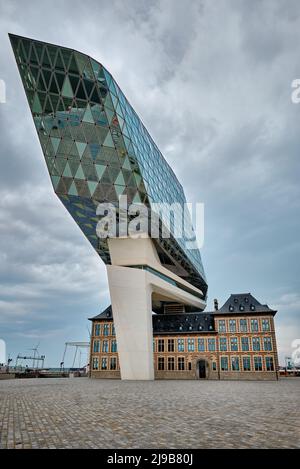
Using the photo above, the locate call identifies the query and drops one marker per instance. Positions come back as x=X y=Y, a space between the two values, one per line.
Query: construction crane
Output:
x=77 y=345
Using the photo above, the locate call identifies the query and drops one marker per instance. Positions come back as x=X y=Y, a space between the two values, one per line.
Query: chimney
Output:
x=216 y=305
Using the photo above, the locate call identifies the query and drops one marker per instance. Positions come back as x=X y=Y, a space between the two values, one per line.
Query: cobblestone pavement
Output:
x=83 y=413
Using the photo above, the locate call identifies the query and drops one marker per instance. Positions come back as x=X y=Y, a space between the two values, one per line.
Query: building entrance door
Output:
x=201 y=369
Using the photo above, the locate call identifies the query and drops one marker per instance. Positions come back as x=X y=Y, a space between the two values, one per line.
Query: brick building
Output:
x=236 y=341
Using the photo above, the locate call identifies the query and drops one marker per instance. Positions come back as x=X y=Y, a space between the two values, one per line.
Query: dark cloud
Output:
x=212 y=83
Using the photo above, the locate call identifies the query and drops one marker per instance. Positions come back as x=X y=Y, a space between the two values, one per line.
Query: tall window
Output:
x=265 y=325
x=113 y=363
x=246 y=364
x=235 y=365
x=97 y=329
x=106 y=329
x=171 y=363
x=161 y=345
x=171 y=346
x=95 y=363
x=223 y=344
x=105 y=346
x=255 y=344
x=201 y=345
x=153 y=345
x=243 y=325
x=245 y=344
x=211 y=345
x=180 y=345
x=267 y=344
x=191 y=345
x=180 y=363
x=224 y=363
x=257 y=363
x=96 y=348
x=232 y=325
x=161 y=363
x=233 y=344
x=222 y=325
x=114 y=346
x=113 y=330
x=104 y=363
x=254 y=325
x=269 y=364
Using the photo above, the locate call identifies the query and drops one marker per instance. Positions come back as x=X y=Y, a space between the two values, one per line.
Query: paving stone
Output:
x=83 y=413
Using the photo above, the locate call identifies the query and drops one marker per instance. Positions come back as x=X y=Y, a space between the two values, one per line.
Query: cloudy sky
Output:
x=212 y=82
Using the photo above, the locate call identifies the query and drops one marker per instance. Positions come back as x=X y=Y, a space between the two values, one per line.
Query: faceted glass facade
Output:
x=96 y=147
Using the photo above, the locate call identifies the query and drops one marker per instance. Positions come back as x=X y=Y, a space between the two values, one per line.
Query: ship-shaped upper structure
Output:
x=96 y=148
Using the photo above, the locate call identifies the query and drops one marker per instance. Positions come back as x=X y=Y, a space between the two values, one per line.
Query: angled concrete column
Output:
x=130 y=293
x=131 y=289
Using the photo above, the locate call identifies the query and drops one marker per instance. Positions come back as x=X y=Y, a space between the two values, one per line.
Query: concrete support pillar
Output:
x=130 y=293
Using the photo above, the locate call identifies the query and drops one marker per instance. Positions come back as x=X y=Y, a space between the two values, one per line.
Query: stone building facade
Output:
x=236 y=341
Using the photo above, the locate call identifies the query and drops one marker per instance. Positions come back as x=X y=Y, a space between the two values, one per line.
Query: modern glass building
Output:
x=96 y=147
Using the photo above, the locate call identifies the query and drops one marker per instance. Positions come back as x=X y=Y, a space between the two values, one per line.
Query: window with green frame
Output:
x=235 y=364
x=256 y=344
x=96 y=347
x=243 y=325
x=180 y=345
x=201 y=345
x=232 y=325
x=211 y=345
x=269 y=363
x=233 y=344
x=191 y=345
x=246 y=364
x=95 y=363
x=223 y=344
x=258 y=363
x=245 y=344
x=224 y=363
x=267 y=344
x=254 y=325
x=265 y=325
x=105 y=346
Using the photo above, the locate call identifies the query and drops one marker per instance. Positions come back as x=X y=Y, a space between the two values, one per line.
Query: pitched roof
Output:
x=106 y=314
x=241 y=303
x=183 y=323
x=171 y=323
